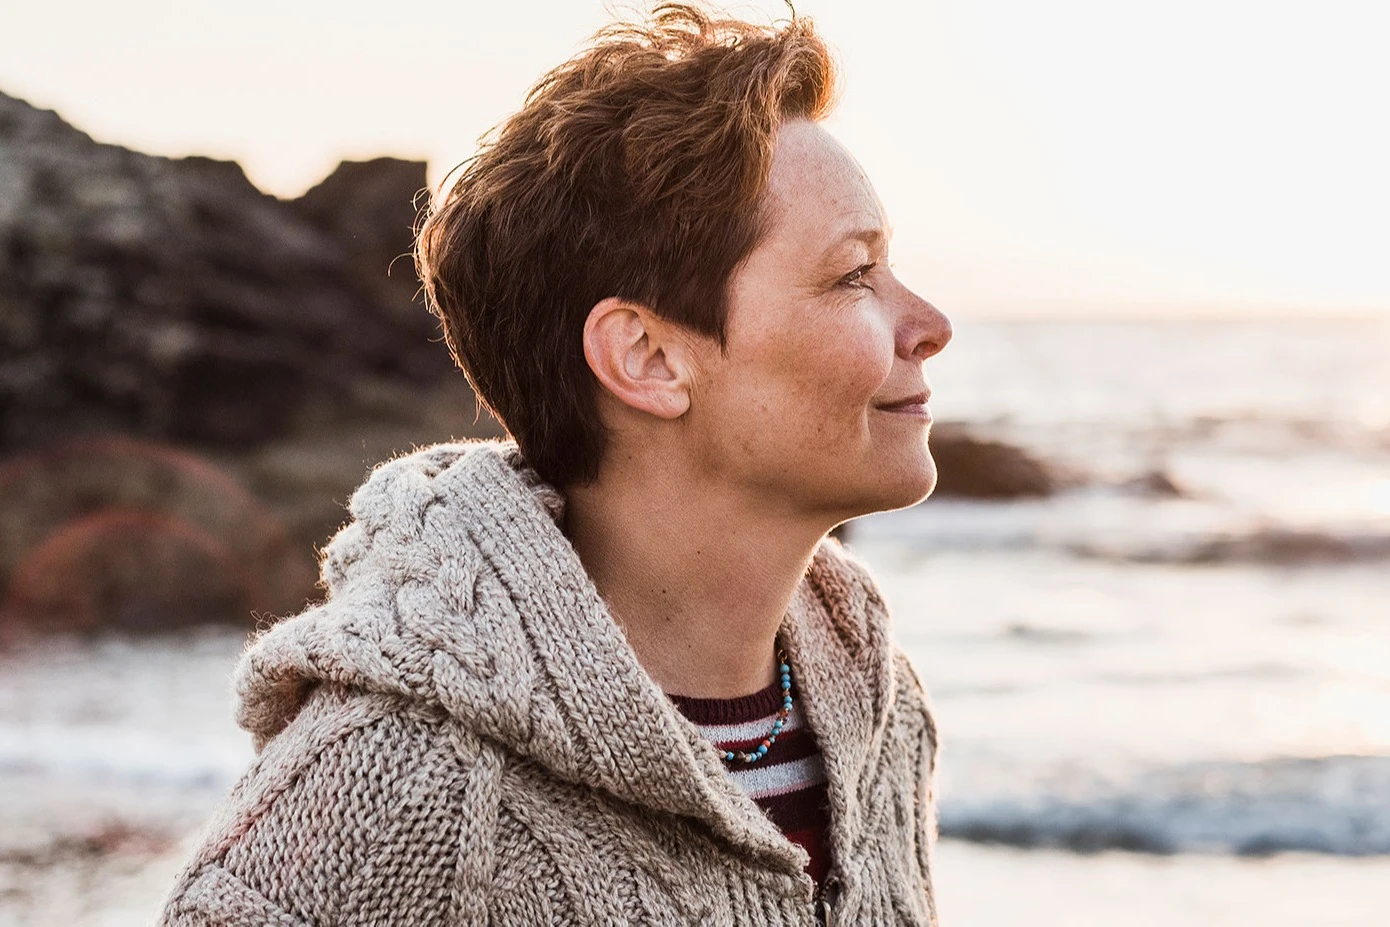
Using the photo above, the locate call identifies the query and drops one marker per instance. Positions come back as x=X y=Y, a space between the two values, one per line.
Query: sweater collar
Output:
x=454 y=584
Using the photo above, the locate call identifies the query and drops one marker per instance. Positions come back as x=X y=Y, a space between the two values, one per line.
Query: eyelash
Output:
x=854 y=277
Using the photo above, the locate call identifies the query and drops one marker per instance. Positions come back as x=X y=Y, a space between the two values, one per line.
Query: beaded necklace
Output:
x=758 y=752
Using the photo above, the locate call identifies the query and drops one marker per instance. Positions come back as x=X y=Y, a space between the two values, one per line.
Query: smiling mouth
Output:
x=914 y=405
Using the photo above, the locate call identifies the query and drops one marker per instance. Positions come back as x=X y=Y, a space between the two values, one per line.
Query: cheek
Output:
x=807 y=382
x=865 y=361
x=831 y=374
x=845 y=366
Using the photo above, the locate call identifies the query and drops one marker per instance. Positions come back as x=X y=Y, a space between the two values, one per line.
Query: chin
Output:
x=914 y=487
x=894 y=487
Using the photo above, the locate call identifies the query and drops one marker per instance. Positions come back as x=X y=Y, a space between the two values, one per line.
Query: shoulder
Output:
x=914 y=704
x=843 y=575
x=855 y=600
x=359 y=800
x=850 y=597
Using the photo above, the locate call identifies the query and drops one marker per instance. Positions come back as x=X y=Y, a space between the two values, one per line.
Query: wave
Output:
x=1336 y=805
x=1269 y=546
x=119 y=754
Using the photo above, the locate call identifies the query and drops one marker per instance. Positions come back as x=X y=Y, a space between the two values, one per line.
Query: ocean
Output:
x=1196 y=682
x=1156 y=705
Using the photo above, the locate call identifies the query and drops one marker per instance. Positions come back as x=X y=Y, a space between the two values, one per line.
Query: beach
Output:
x=1159 y=701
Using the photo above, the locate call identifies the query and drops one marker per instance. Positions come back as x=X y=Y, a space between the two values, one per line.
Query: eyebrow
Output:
x=869 y=235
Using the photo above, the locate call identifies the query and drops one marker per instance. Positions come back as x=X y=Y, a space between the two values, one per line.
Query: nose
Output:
x=923 y=329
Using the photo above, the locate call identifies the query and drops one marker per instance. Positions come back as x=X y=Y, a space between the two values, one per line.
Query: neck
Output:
x=696 y=575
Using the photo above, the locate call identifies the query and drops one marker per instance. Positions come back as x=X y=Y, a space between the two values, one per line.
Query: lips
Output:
x=913 y=403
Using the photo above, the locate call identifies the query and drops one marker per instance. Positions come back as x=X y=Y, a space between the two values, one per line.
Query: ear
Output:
x=639 y=357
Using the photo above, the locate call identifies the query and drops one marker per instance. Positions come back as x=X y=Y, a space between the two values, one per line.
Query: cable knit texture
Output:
x=460 y=734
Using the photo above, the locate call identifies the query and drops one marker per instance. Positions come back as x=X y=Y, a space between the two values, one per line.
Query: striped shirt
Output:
x=789 y=782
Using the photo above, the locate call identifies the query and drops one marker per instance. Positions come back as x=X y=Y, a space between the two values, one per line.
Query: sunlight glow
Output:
x=1074 y=156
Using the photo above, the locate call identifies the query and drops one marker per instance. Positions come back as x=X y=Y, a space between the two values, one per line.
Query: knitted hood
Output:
x=453 y=584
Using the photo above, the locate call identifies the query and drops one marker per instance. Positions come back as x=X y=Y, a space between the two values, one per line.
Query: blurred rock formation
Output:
x=172 y=299
x=976 y=467
x=194 y=375
x=369 y=207
x=120 y=532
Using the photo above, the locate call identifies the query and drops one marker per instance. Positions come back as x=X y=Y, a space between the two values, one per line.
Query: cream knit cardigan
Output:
x=461 y=735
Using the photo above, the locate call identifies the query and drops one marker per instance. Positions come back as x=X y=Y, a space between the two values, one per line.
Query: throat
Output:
x=699 y=582
x=703 y=659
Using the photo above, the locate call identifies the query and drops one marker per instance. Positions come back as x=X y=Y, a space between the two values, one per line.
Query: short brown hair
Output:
x=633 y=170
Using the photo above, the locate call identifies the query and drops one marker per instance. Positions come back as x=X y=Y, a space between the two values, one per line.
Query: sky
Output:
x=1073 y=157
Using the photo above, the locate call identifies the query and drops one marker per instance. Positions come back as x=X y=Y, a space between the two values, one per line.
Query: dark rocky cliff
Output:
x=194 y=375
x=170 y=298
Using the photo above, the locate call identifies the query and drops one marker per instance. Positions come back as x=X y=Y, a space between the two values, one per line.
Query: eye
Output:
x=855 y=278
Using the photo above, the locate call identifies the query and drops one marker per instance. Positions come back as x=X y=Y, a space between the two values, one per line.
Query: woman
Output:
x=613 y=672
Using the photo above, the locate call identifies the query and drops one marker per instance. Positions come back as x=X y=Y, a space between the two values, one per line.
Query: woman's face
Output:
x=818 y=406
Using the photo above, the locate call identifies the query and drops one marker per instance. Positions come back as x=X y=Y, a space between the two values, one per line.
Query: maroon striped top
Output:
x=789 y=782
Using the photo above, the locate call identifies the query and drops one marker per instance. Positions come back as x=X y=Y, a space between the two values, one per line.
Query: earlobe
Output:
x=635 y=358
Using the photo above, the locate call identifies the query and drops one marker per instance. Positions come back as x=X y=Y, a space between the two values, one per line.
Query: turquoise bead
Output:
x=758 y=752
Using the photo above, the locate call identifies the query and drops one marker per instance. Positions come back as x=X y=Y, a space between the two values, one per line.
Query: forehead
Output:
x=816 y=191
